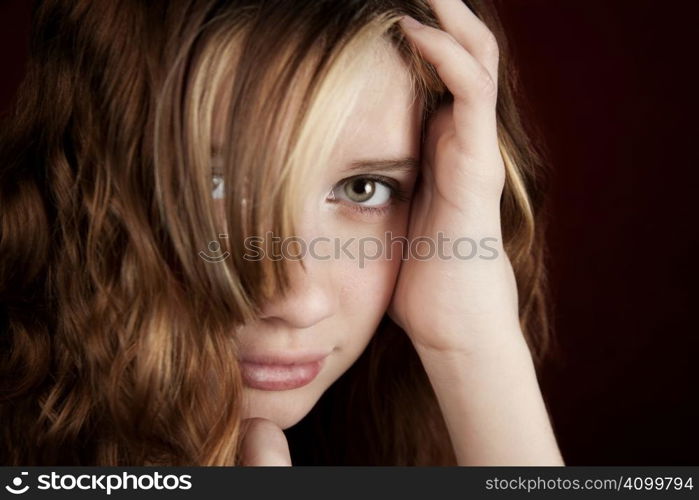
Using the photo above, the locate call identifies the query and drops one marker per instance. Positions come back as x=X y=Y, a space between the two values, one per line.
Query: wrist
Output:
x=499 y=355
x=486 y=345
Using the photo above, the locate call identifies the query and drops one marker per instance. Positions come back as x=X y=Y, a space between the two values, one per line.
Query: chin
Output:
x=284 y=408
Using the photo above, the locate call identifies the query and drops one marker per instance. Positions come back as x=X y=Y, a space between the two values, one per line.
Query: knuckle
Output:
x=446 y=142
x=489 y=184
x=486 y=86
x=260 y=425
x=489 y=45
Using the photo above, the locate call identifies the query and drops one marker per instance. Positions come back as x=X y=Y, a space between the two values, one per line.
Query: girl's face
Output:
x=330 y=314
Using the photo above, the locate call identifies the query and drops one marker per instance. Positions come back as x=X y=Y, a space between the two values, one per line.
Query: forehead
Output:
x=385 y=119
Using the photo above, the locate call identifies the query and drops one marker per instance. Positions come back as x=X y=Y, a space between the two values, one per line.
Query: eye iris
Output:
x=360 y=190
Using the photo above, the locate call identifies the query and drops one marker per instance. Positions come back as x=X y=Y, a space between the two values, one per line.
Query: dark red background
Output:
x=612 y=86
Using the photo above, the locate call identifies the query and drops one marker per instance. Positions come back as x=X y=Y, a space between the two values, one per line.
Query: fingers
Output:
x=264 y=444
x=465 y=76
x=475 y=92
x=469 y=31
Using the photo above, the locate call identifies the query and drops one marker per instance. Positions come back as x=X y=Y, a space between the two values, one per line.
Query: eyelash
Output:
x=398 y=195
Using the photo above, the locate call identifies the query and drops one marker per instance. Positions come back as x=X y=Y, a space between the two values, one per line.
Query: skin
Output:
x=461 y=316
x=329 y=308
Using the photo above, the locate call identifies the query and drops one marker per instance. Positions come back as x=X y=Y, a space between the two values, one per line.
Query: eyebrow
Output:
x=406 y=164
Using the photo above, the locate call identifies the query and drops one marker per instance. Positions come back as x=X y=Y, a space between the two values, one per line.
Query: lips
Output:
x=281 y=373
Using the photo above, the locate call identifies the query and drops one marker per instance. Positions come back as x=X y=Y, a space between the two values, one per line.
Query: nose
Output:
x=310 y=299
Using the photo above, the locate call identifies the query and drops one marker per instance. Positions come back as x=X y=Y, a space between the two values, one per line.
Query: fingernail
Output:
x=410 y=22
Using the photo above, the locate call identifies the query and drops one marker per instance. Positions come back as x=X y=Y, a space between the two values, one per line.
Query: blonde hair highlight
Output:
x=117 y=347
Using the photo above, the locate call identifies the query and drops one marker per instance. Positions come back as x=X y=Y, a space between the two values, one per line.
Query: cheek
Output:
x=368 y=284
x=369 y=277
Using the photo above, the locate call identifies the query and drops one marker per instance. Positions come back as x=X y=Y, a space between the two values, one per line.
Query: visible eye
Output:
x=217 y=191
x=367 y=193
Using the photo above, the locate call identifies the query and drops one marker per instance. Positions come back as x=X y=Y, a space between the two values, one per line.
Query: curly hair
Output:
x=116 y=343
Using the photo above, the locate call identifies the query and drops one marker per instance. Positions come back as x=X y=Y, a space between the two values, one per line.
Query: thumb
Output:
x=264 y=444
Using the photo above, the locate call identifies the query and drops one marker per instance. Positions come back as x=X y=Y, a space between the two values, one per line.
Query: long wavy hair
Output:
x=116 y=345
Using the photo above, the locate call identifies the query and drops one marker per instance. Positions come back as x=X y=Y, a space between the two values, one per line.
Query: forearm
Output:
x=492 y=405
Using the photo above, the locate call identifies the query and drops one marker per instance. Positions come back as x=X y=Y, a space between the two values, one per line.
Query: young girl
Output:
x=187 y=190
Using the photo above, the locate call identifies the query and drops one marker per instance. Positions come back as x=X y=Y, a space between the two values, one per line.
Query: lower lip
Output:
x=279 y=377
